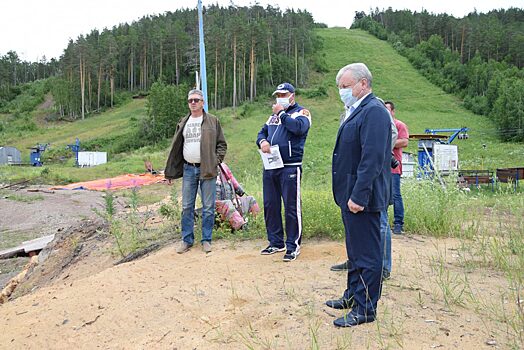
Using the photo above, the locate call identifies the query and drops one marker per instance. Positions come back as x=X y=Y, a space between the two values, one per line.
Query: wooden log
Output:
x=15 y=281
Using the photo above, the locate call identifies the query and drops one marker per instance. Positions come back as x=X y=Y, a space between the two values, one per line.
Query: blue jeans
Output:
x=398 y=205
x=385 y=231
x=190 y=182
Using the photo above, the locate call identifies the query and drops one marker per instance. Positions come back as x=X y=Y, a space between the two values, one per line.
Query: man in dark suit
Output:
x=361 y=188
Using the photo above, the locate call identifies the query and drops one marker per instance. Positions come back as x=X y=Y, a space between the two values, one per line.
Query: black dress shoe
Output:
x=340 y=303
x=340 y=267
x=353 y=319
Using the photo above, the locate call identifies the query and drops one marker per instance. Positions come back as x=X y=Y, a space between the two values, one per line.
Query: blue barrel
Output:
x=35 y=158
x=424 y=162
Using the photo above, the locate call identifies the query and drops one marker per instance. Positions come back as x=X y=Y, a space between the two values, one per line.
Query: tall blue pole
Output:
x=203 y=75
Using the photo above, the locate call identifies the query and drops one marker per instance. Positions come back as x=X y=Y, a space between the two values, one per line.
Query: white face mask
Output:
x=283 y=101
x=346 y=96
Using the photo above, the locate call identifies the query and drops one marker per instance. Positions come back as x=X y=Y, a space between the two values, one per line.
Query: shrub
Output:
x=116 y=144
x=246 y=110
x=320 y=91
x=26 y=98
x=122 y=97
x=477 y=104
x=166 y=105
x=508 y=110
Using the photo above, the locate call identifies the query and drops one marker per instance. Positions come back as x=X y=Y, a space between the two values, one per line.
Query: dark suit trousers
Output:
x=363 y=246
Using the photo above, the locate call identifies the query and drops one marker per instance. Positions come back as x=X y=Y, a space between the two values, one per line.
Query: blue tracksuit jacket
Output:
x=288 y=130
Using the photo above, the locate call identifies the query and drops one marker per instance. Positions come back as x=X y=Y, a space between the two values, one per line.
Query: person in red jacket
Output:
x=402 y=142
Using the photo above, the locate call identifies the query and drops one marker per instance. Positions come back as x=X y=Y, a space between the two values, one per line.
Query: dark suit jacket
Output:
x=362 y=157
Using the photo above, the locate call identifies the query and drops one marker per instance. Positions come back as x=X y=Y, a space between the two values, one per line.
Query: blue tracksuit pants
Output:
x=283 y=184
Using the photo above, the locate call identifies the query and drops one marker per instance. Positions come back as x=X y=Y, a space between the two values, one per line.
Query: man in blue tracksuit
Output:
x=287 y=127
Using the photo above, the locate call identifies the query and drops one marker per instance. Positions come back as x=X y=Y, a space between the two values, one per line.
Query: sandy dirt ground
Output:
x=234 y=298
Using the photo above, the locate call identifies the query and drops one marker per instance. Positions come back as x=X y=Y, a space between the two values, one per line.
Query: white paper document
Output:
x=272 y=160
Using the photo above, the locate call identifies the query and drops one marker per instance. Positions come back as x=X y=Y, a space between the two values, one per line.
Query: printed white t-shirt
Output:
x=192 y=132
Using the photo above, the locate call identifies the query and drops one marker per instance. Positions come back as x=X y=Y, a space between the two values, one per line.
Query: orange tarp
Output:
x=115 y=183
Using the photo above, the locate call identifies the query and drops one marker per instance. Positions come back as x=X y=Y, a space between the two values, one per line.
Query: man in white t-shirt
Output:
x=198 y=147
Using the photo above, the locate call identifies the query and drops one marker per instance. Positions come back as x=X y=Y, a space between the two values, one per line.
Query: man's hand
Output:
x=169 y=182
x=265 y=147
x=353 y=207
x=277 y=108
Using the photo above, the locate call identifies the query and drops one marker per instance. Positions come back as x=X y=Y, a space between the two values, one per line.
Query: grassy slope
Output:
x=419 y=104
x=112 y=123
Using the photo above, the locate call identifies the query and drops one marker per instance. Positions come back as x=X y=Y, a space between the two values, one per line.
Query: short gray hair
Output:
x=359 y=70
x=196 y=92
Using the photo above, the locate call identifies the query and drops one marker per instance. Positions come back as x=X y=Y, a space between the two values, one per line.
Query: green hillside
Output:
x=419 y=104
x=112 y=123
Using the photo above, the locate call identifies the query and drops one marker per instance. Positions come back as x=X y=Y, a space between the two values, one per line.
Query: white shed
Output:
x=91 y=158
x=10 y=155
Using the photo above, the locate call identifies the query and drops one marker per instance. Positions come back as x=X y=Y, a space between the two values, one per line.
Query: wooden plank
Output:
x=11 y=252
x=14 y=184
x=37 y=244
x=472 y=180
x=27 y=247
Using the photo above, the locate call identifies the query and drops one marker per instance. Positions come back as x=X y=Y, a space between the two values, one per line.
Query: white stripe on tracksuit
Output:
x=299 y=212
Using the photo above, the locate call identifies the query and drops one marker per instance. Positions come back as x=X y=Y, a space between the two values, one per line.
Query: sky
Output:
x=34 y=28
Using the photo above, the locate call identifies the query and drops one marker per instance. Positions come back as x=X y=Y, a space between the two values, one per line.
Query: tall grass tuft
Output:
x=434 y=210
x=321 y=216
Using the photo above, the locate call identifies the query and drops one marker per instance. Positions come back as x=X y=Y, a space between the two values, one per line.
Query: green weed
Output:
x=453 y=287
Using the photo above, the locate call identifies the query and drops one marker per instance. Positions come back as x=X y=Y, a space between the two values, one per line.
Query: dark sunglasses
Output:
x=193 y=100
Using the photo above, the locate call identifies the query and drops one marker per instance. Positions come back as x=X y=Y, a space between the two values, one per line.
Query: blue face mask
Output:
x=346 y=96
